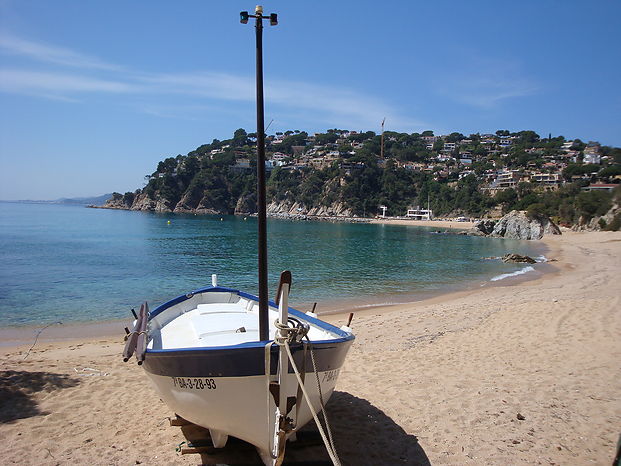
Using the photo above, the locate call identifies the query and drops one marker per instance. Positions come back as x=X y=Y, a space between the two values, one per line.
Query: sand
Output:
x=526 y=373
x=436 y=223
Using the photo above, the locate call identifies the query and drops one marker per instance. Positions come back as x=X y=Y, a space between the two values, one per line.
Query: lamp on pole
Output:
x=261 y=201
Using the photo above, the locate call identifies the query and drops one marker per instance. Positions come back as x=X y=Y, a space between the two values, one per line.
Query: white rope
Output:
x=325 y=416
x=329 y=447
x=267 y=362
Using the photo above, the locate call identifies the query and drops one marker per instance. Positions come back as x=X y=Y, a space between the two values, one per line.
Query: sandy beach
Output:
x=526 y=373
x=436 y=223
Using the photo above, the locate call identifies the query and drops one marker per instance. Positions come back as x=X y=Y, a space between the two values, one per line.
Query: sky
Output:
x=94 y=94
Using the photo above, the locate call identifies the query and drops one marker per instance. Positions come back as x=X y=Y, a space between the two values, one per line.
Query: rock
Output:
x=246 y=205
x=520 y=417
x=599 y=223
x=482 y=227
x=517 y=225
x=144 y=202
x=518 y=258
x=185 y=205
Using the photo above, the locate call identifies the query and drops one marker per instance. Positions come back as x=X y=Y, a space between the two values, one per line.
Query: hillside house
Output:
x=549 y=180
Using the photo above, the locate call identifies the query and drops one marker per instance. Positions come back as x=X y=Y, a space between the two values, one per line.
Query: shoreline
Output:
x=450 y=223
x=525 y=373
x=332 y=311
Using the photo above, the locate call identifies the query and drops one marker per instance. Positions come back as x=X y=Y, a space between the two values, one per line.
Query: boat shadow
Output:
x=18 y=389
x=363 y=435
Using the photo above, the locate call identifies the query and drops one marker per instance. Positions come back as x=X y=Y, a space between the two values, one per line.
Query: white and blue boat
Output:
x=202 y=353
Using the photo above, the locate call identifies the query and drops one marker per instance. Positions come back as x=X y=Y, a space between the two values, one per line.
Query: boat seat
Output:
x=220 y=308
x=224 y=328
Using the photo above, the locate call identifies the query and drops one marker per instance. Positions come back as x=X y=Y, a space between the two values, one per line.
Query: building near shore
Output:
x=419 y=214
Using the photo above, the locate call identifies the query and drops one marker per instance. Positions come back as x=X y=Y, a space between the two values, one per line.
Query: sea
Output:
x=75 y=264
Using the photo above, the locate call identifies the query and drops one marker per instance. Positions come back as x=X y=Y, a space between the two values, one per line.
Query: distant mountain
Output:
x=95 y=200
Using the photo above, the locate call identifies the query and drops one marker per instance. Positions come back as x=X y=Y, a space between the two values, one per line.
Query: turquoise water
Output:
x=76 y=264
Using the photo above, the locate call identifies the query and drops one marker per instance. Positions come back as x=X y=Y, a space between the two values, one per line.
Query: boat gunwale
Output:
x=344 y=336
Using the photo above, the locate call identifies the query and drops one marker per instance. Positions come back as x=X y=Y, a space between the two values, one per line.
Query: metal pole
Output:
x=261 y=202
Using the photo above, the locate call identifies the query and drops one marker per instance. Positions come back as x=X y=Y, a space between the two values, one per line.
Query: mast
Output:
x=261 y=197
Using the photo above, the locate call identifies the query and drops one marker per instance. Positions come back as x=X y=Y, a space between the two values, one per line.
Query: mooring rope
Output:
x=323 y=412
x=329 y=446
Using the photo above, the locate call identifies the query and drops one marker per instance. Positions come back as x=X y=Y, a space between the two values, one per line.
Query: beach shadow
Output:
x=363 y=435
x=17 y=390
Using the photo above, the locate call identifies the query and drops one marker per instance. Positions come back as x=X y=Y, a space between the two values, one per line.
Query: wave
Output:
x=513 y=274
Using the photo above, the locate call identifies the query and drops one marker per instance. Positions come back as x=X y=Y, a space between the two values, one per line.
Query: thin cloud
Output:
x=484 y=83
x=13 y=45
x=56 y=84
x=332 y=105
x=206 y=84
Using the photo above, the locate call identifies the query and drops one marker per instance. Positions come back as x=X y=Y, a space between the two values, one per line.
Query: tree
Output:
x=577 y=144
x=610 y=172
x=527 y=137
x=167 y=166
x=326 y=138
x=577 y=169
x=240 y=138
x=508 y=197
x=455 y=137
x=591 y=203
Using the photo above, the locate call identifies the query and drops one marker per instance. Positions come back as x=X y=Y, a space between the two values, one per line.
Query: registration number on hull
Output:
x=194 y=383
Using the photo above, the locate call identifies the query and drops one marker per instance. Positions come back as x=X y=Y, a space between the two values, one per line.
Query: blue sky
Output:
x=94 y=94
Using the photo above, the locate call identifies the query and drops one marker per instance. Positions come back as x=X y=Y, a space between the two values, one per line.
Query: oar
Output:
x=141 y=344
x=132 y=339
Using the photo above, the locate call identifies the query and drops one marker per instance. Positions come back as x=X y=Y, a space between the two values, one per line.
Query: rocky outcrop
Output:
x=518 y=258
x=186 y=205
x=286 y=208
x=482 y=227
x=517 y=225
x=144 y=202
x=611 y=220
x=246 y=205
x=113 y=203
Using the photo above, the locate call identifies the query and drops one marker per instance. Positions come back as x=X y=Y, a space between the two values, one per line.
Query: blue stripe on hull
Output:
x=241 y=361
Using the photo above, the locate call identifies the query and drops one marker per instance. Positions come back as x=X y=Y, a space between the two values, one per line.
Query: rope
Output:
x=37 y=337
x=267 y=361
x=144 y=332
x=323 y=411
x=329 y=447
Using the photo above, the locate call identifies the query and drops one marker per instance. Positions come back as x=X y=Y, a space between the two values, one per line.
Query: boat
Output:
x=202 y=353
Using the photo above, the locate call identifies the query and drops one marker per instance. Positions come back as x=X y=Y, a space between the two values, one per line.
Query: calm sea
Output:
x=77 y=264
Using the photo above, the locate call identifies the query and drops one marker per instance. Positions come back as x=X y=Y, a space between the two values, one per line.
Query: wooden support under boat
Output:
x=198 y=441
x=178 y=421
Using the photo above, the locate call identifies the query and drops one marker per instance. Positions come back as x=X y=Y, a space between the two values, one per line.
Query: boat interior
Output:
x=212 y=319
